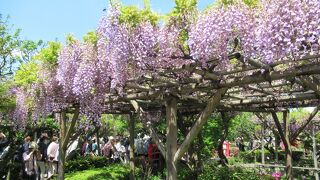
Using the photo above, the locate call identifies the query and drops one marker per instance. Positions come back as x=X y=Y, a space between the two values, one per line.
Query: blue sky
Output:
x=54 y=19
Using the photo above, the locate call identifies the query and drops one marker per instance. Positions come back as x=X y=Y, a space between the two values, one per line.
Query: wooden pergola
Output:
x=251 y=86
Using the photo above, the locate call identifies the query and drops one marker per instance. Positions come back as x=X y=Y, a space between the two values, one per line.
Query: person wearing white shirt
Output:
x=53 y=152
x=120 y=151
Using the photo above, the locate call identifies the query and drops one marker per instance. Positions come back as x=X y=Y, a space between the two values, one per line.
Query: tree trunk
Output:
x=131 y=131
x=171 y=116
x=225 y=125
x=276 y=148
x=98 y=143
x=64 y=138
x=262 y=145
x=62 y=155
x=204 y=116
x=284 y=135
x=221 y=155
x=314 y=152
x=62 y=162
x=288 y=150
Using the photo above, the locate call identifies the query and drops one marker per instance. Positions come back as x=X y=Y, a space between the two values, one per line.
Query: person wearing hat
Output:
x=30 y=162
x=43 y=146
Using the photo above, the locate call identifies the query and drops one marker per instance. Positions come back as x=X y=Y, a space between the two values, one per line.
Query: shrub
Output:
x=296 y=155
x=84 y=163
x=211 y=170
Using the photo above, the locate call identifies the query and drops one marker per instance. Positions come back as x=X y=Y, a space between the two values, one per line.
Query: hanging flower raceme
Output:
x=113 y=49
x=86 y=74
x=69 y=60
x=221 y=31
x=271 y=31
x=143 y=47
x=287 y=29
x=20 y=114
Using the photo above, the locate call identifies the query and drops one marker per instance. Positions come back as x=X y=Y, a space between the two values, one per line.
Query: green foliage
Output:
x=84 y=163
x=211 y=132
x=296 y=155
x=49 y=55
x=48 y=123
x=113 y=171
x=116 y=124
x=14 y=51
x=29 y=48
x=184 y=172
x=133 y=16
x=241 y=125
x=7 y=101
x=250 y=156
x=9 y=43
x=183 y=6
x=96 y=168
x=318 y=137
x=212 y=170
x=299 y=114
x=183 y=14
x=91 y=37
x=26 y=74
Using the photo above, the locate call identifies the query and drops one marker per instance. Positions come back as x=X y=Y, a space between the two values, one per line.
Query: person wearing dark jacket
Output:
x=42 y=163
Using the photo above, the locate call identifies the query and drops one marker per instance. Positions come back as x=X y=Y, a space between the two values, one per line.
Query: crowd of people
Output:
x=40 y=156
x=117 y=149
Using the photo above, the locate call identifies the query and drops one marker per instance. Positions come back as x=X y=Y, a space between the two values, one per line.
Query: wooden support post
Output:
x=315 y=160
x=98 y=142
x=304 y=125
x=276 y=148
x=62 y=154
x=171 y=116
x=262 y=145
x=285 y=139
x=213 y=102
x=131 y=140
x=288 y=147
x=64 y=138
x=171 y=154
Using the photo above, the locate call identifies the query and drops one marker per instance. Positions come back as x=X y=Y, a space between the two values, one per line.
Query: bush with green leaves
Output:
x=84 y=163
x=212 y=170
x=112 y=172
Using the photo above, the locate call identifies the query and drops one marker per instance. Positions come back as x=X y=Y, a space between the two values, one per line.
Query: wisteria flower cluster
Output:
x=274 y=30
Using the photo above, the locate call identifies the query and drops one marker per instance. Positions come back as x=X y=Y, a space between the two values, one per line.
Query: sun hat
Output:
x=111 y=138
x=32 y=145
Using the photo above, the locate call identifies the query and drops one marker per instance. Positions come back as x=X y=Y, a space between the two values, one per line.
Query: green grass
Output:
x=110 y=172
